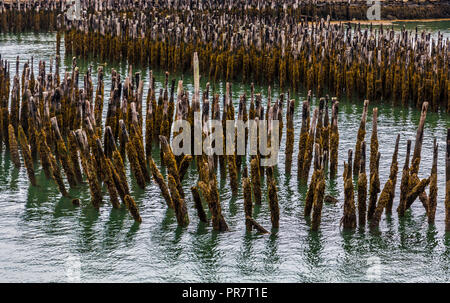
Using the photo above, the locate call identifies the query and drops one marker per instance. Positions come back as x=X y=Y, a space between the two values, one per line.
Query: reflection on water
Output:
x=40 y=229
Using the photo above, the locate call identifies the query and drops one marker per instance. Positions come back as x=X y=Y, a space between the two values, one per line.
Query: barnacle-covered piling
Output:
x=382 y=202
x=73 y=152
x=309 y=147
x=89 y=168
x=415 y=162
x=318 y=203
x=178 y=202
x=362 y=187
x=132 y=156
x=303 y=138
x=198 y=204
x=210 y=193
x=256 y=225
x=159 y=179
x=184 y=165
x=132 y=207
x=108 y=174
x=63 y=154
x=404 y=185
x=171 y=163
x=416 y=191
x=374 y=160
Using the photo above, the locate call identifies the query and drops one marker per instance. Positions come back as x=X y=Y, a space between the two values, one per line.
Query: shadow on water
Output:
x=245 y=260
x=209 y=257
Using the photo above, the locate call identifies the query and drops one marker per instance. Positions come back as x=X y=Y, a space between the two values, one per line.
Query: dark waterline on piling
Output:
x=40 y=230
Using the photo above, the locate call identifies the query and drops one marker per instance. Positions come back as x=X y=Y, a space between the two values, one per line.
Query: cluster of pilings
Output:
x=54 y=121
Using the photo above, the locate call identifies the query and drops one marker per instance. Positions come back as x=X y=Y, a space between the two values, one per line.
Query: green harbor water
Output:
x=44 y=238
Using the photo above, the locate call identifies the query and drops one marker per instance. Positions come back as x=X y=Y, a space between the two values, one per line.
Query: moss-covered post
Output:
x=334 y=139
x=349 y=218
x=360 y=138
x=289 y=136
x=447 y=184
x=362 y=187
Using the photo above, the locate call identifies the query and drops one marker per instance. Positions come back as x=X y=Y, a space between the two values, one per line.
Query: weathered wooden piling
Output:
x=170 y=162
x=432 y=198
x=393 y=176
x=211 y=195
x=198 y=204
x=272 y=194
x=382 y=202
x=318 y=203
x=73 y=151
x=49 y=163
x=13 y=147
x=63 y=154
x=334 y=138
x=26 y=155
x=447 y=183
x=248 y=205
x=256 y=180
x=415 y=162
x=309 y=199
x=132 y=156
x=108 y=174
x=178 y=202
x=184 y=165
x=159 y=179
x=374 y=160
x=404 y=185
x=132 y=207
x=289 y=136
x=256 y=225
x=87 y=163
